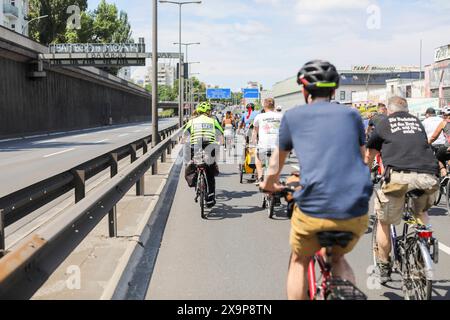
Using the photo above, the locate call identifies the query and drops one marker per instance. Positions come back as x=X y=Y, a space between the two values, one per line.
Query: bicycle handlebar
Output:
x=283 y=192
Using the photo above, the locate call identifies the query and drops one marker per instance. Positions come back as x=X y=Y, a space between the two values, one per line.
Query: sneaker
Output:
x=384 y=272
x=211 y=203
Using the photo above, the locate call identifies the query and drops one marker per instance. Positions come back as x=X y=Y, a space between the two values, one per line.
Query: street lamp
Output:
x=189 y=87
x=180 y=74
x=34 y=19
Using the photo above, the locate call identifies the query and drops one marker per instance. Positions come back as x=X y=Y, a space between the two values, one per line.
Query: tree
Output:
x=53 y=28
x=104 y=25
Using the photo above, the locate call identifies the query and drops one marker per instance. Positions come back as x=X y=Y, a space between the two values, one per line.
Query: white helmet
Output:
x=446 y=111
x=279 y=108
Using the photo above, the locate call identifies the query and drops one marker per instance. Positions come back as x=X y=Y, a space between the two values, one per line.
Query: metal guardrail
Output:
x=18 y=205
x=99 y=202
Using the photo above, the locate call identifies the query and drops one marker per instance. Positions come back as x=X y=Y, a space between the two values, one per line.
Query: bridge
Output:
x=133 y=230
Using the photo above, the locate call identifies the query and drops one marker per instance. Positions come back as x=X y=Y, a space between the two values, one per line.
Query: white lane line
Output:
x=444 y=248
x=102 y=141
x=123 y=135
x=60 y=152
x=136 y=131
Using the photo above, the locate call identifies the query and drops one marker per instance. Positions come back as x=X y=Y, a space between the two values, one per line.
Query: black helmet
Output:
x=318 y=75
x=251 y=105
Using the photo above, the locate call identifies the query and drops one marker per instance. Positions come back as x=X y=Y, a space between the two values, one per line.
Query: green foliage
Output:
x=104 y=25
x=53 y=28
x=166 y=113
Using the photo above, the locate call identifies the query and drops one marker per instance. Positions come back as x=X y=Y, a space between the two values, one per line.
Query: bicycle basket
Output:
x=339 y=289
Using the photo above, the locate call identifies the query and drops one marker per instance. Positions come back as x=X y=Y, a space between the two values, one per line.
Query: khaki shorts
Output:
x=304 y=231
x=390 y=202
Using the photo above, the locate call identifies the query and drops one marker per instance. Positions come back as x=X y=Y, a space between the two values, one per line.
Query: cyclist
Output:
x=443 y=152
x=247 y=120
x=202 y=132
x=265 y=135
x=335 y=183
x=410 y=165
x=377 y=118
x=228 y=124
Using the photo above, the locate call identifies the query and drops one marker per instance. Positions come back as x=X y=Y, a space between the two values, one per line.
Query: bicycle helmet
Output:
x=446 y=111
x=203 y=107
x=318 y=75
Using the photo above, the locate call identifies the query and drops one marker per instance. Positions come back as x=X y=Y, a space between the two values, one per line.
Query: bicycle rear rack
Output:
x=339 y=289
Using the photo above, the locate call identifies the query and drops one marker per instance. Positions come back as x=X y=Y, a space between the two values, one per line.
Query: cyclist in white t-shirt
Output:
x=265 y=134
x=431 y=123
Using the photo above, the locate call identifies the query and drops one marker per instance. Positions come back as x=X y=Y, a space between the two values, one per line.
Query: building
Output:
x=125 y=73
x=437 y=76
x=360 y=78
x=166 y=75
x=13 y=15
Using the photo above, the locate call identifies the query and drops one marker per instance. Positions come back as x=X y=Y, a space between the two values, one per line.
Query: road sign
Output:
x=251 y=93
x=218 y=93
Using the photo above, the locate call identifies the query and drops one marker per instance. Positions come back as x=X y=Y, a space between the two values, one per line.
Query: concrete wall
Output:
x=66 y=99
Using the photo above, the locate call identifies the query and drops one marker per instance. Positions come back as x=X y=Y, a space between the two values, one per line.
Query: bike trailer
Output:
x=250 y=160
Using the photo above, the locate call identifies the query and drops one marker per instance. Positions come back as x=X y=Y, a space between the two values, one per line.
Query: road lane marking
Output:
x=104 y=140
x=444 y=248
x=123 y=135
x=59 y=152
x=136 y=131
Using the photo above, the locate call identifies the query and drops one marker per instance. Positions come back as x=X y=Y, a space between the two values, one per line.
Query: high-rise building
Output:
x=13 y=15
x=125 y=73
x=166 y=75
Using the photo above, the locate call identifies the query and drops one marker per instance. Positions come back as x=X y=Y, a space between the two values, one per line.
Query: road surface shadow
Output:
x=222 y=211
x=436 y=211
x=224 y=195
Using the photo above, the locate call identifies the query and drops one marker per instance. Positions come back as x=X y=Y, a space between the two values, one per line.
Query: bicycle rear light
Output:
x=425 y=234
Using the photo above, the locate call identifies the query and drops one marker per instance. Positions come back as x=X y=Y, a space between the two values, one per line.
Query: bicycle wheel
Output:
x=374 y=241
x=447 y=196
x=438 y=198
x=270 y=206
x=264 y=204
x=415 y=286
x=202 y=195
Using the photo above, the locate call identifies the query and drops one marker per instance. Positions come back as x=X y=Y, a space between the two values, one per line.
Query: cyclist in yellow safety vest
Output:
x=202 y=133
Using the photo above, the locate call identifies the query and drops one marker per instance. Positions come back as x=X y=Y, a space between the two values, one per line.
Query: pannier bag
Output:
x=190 y=174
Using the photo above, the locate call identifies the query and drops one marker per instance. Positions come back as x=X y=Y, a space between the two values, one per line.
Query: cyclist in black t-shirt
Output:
x=410 y=164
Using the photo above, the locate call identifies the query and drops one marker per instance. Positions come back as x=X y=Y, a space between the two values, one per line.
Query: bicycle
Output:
x=269 y=200
x=328 y=286
x=412 y=253
x=201 y=188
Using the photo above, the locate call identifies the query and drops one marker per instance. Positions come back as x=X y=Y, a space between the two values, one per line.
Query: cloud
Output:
x=269 y=40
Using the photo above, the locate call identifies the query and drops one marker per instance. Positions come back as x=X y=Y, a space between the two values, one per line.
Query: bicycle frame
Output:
x=325 y=270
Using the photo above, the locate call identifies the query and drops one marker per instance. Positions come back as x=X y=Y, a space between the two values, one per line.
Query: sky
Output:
x=269 y=40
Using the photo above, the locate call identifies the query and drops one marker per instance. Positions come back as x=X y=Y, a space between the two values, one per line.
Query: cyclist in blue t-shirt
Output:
x=247 y=121
x=335 y=182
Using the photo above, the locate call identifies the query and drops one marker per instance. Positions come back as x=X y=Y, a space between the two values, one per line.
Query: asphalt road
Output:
x=27 y=161
x=239 y=253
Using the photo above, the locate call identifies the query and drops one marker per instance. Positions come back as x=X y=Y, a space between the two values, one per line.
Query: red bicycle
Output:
x=329 y=287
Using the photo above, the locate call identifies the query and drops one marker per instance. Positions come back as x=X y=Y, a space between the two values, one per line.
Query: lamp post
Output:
x=180 y=74
x=187 y=59
x=155 y=133
x=34 y=19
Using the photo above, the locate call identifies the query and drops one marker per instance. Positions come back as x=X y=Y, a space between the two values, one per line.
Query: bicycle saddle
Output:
x=416 y=193
x=334 y=238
